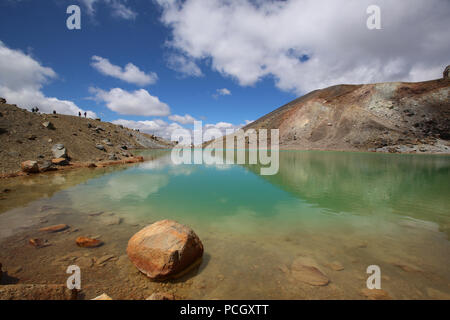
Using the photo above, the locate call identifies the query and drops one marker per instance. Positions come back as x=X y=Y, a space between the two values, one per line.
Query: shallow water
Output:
x=358 y=209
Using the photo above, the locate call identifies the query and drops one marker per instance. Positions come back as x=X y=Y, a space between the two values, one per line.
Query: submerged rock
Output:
x=56 y=228
x=84 y=242
x=38 y=243
x=165 y=249
x=375 y=294
x=407 y=267
x=306 y=270
x=336 y=266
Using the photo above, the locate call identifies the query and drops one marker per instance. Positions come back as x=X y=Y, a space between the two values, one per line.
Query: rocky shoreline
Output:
x=66 y=165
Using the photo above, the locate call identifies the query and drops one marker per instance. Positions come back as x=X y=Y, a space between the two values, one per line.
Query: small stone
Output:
x=112 y=221
x=46 y=166
x=100 y=147
x=103 y=296
x=375 y=294
x=59 y=151
x=336 y=266
x=85 y=262
x=60 y=162
x=56 y=228
x=307 y=271
x=407 y=267
x=95 y=214
x=30 y=166
x=85 y=242
x=48 y=125
x=38 y=243
x=104 y=259
x=112 y=157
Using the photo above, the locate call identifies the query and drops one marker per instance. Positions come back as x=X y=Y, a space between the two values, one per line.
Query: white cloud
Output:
x=222 y=92
x=186 y=119
x=164 y=129
x=184 y=66
x=119 y=9
x=304 y=44
x=21 y=82
x=157 y=127
x=130 y=73
x=139 y=102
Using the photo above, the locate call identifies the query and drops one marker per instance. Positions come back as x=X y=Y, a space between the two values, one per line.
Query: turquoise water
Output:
x=356 y=208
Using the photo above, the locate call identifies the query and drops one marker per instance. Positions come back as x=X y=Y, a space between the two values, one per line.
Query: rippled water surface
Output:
x=356 y=209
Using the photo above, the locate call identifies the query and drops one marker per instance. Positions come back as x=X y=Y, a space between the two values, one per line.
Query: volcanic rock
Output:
x=165 y=249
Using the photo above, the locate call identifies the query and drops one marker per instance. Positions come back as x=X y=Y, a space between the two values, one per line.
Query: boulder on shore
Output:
x=59 y=151
x=30 y=166
x=60 y=162
x=165 y=249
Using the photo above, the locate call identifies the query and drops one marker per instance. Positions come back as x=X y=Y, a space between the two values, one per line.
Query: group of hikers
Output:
x=36 y=110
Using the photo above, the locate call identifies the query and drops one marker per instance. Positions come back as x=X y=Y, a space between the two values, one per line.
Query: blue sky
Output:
x=264 y=55
x=39 y=28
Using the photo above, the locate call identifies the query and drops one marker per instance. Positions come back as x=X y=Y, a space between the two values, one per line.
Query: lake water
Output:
x=354 y=209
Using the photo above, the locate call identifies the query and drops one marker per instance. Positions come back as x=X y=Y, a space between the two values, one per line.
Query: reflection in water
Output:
x=359 y=209
x=359 y=183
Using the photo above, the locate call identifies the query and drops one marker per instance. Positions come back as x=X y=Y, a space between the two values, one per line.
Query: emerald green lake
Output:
x=354 y=209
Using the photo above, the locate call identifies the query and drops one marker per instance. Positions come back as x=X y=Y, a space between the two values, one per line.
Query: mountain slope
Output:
x=23 y=136
x=394 y=117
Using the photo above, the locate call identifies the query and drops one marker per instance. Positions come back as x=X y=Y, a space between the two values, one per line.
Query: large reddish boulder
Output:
x=165 y=249
x=30 y=166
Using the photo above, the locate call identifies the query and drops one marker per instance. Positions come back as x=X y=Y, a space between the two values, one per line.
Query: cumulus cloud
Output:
x=185 y=66
x=305 y=44
x=157 y=127
x=222 y=92
x=186 y=119
x=21 y=81
x=130 y=73
x=139 y=102
x=118 y=8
